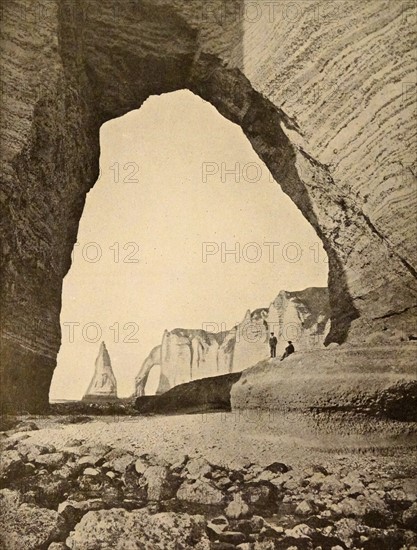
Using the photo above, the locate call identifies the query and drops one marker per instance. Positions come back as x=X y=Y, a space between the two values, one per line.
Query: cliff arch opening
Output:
x=346 y=164
x=182 y=230
x=153 y=381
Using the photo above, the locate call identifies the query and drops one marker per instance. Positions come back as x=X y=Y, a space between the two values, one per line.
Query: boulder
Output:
x=198 y=467
x=201 y=492
x=25 y=526
x=50 y=461
x=118 y=460
x=26 y=426
x=71 y=511
x=158 y=486
x=118 y=529
x=11 y=465
x=237 y=508
x=261 y=496
x=278 y=468
x=409 y=517
x=305 y=508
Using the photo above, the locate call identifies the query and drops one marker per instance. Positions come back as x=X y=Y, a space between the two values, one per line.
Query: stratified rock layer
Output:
x=375 y=381
x=204 y=395
x=103 y=386
x=191 y=354
x=325 y=92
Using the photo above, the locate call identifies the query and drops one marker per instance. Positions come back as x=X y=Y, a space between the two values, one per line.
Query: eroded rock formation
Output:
x=187 y=354
x=326 y=95
x=374 y=381
x=103 y=386
x=190 y=354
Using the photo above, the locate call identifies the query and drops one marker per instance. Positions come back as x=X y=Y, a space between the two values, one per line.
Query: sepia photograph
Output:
x=208 y=304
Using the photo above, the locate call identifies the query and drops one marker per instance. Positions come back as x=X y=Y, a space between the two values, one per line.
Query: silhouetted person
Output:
x=288 y=350
x=273 y=345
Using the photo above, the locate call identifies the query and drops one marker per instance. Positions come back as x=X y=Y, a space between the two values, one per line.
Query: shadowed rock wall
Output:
x=326 y=96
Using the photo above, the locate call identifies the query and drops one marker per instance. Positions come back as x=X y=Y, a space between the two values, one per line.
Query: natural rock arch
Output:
x=342 y=155
x=153 y=361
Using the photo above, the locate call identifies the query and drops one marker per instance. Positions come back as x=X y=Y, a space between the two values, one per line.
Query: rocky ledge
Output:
x=205 y=395
x=88 y=496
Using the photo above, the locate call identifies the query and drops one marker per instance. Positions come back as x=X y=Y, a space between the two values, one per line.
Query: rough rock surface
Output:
x=187 y=354
x=357 y=500
x=378 y=381
x=25 y=526
x=139 y=530
x=326 y=97
x=208 y=394
x=103 y=386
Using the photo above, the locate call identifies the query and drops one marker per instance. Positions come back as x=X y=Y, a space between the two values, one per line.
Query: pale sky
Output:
x=163 y=188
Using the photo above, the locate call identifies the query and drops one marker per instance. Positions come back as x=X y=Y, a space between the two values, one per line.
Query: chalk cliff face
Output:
x=303 y=317
x=187 y=354
x=324 y=91
x=103 y=386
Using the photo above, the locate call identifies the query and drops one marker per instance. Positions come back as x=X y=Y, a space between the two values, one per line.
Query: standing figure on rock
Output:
x=288 y=350
x=273 y=345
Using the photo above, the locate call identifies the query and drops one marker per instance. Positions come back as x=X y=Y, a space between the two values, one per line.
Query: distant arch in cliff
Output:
x=152 y=381
x=94 y=64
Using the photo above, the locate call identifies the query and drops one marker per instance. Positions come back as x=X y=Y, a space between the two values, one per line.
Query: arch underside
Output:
x=345 y=164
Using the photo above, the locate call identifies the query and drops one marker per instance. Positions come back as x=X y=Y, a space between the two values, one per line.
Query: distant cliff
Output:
x=191 y=354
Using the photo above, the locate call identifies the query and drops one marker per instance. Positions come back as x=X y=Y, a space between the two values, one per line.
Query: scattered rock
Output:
x=74 y=442
x=304 y=509
x=317 y=480
x=398 y=499
x=251 y=525
x=119 y=530
x=331 y=485
x=260 y=496
x=214 y=531
x=220 y=522
x=14 y=439
x=158 y=486
x=198 y=467
x=409 y=517
x=50 y=461
x=278 y=468
x=118 y=460
x=271 y=531
x=218 y=545
x=141 y=466
x=89 y=460
x=179 y=464
x=26 y=426
x=49 y=489
x=30 y=450
x=72 y=511
x=237 y=508
x=25 y=526
x=11 y=465
x=91 y=472
x=201 y=492
x=232 y=537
